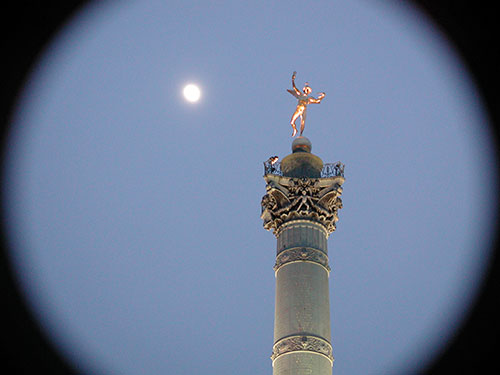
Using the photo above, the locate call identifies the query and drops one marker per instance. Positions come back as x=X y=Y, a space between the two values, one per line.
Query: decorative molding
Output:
x=301 y=254
x=302 y=343
x=302 y=223
x=313 y=199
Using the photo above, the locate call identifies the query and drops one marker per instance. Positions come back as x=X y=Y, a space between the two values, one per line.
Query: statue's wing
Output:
x=292 y=92
x=327 y=199
x=280 y=197
x=328 y=189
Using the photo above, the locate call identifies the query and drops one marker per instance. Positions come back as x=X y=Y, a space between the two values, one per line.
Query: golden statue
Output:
x=304 y=99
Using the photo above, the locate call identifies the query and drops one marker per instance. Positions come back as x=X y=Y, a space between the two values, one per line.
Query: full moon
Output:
x=192 y=93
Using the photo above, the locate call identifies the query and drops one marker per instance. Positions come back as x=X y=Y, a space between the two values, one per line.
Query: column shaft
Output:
x=302 y=314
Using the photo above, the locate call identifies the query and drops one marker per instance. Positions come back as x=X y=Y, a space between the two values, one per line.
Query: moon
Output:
x=192 y=93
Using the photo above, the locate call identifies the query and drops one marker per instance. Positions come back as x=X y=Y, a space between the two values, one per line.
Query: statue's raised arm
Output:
x=294 y=75
x=303 y=100
x=295 y=92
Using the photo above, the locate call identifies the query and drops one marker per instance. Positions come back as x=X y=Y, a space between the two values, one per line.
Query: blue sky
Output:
x=135 y=215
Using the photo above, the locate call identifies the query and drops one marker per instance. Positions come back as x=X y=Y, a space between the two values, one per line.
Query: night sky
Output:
x=133 y=215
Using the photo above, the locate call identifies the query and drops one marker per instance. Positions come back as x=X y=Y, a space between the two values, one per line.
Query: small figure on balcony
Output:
x=272 y=161
x=339 y=169
x=270 y=164
x=303 y=100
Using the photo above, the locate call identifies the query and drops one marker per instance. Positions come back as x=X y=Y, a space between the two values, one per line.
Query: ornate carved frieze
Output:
x=288 y=198
x=302 y=344
x=304 y=254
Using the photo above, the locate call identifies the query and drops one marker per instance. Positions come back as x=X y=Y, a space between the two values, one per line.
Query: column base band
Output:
x=301 y=254
x=302 y=343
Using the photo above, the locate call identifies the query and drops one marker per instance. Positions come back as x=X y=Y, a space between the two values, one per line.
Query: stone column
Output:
x=301 y=207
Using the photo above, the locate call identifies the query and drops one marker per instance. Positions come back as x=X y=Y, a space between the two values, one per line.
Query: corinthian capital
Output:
x=291 y=198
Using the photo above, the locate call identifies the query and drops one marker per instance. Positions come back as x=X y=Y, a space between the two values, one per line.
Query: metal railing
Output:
x=329 y=169
x=272 y=168
x=333 y=170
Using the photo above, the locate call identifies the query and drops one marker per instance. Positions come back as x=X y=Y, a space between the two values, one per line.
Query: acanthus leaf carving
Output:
x=287 y=198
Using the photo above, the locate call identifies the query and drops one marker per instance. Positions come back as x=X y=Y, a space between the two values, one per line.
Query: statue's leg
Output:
x=302 y=121
x=292 y=122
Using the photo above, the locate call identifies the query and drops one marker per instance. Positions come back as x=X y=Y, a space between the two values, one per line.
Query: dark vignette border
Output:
x=27 y=28
x=473 y=29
